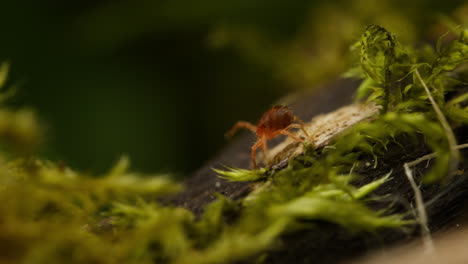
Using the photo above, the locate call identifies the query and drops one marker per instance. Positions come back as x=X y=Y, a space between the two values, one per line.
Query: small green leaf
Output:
x=235 y=174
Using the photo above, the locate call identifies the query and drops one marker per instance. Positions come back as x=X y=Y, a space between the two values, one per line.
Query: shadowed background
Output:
x=162 y=81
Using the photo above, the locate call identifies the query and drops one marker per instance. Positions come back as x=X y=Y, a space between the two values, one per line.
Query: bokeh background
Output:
x=163 y=80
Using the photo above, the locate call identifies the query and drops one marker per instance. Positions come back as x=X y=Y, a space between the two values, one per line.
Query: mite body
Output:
x=273 y=123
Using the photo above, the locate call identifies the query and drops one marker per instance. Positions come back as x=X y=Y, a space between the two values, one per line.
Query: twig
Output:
x=422 y=216
x=445 y=125
x=432 y=155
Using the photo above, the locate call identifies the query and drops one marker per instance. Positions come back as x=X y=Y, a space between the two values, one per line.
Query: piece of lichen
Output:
x=50 y=213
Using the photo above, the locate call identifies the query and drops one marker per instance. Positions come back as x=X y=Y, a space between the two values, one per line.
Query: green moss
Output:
x=324 y=190
x=235 y=174
x=50 y=213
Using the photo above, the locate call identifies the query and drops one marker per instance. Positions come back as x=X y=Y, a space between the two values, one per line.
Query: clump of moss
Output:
x=50 y=213
x=392 y=77
x=316 y=184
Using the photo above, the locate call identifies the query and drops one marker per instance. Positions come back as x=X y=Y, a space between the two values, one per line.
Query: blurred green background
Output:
x=162 y=81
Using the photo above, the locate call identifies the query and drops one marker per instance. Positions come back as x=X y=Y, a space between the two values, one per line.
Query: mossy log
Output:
x=446 y=203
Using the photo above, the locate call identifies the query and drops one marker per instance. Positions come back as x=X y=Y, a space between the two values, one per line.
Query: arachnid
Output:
x=274 y=122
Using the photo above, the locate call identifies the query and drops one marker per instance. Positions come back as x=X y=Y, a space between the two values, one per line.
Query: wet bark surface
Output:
x=446 y=204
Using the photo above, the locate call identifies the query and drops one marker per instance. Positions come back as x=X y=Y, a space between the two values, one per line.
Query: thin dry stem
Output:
x=422 y=215
x=448 y=131
x=432 y=155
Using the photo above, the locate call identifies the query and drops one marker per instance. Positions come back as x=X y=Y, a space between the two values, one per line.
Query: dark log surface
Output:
x=330 y=243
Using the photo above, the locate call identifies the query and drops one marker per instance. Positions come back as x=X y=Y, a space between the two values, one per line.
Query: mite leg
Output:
x=286 y=132
x=264 y=145
x=289 y=134
x=302 y=126
x=254 y=150
x=241 y=124
x=297 y=126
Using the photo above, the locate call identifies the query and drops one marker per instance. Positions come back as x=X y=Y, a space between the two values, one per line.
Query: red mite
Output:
x=274 y=122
